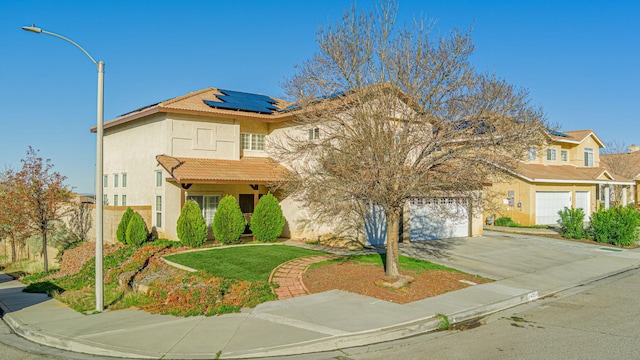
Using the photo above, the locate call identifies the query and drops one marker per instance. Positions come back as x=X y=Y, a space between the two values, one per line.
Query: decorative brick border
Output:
x=288 y=275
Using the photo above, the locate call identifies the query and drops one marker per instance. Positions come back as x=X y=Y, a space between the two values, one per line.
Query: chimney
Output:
x=633 y=148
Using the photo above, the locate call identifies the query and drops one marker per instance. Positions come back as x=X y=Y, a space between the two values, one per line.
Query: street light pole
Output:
x=99 y=165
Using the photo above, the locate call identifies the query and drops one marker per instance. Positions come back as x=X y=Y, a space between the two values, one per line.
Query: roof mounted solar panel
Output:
x=558 y=133
x=236 y=100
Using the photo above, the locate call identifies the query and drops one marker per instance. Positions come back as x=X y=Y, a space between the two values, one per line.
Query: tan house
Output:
x=565 y=173
x=627 y=165
x=205 y=145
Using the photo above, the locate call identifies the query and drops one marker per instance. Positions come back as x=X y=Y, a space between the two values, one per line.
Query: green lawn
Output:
x=241 y=262
x=404 y=262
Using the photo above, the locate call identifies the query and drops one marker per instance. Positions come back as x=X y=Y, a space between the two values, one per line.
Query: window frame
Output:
x=124 y=200
x=124 y=179
x=313 y=133
x=552 y=155
x=533 y=153
x=158 y=211
x=564 y=155
x=253 y=142
x=115 y=180
x=105 y=180
x=115 y=200
x=158 y=178
x=207 y=213
x=589 y=160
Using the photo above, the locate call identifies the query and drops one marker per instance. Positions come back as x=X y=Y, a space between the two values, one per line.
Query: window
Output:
x=551 y=154
x=158 y=178
x=252 y=141
x=159 y=211
x=564 y=155
x=314 y=134
x=588 y=157
x=115 y=200
x=208 y=204
x=124 y=179
x=105 y=180
x=124 y=200
x=105 y=200
x=533 y=153
x=115 y=180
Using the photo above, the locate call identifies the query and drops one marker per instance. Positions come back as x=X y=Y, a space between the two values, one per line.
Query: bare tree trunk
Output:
x=45 y=252
x=393 y=226
x=13 y=250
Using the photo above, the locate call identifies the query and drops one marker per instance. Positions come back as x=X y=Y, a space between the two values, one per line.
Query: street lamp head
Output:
x=32 y=28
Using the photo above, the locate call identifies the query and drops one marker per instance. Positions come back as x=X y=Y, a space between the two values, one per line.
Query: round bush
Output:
x=136 y=233
x=228 y=221
x=192 y=228
x=122 y=226
x=267 y=221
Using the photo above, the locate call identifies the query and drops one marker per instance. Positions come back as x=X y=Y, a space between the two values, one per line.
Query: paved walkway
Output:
x=289 y=276
x=524 y=267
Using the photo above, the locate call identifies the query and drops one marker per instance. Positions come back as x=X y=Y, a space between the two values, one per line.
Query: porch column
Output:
x=606 y=196
x=624 y=195
x=256 y=196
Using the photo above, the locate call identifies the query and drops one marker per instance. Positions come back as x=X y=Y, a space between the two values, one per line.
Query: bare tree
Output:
x=400 y=113
x=44 y=194
x=79 y=220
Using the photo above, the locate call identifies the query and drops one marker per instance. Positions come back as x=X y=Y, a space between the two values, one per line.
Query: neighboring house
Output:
x=565 y=173
x=203 y=146
x=627 y=165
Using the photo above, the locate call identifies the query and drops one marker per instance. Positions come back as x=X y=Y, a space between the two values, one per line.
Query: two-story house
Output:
x=205 y=145
x=565 y=173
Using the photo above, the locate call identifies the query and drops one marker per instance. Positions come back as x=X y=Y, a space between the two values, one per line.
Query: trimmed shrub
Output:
x=618 y=226
x=506 y=221
x=228 y=221
x=267 y=221
x=192 y=228
x=122 y=227
x=571 y=223
x=136 y=233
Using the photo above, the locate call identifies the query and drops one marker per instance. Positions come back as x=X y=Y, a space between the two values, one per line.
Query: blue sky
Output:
x=579 y=59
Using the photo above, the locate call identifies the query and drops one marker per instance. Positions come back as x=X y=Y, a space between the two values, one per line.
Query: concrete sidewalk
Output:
x=524 y=267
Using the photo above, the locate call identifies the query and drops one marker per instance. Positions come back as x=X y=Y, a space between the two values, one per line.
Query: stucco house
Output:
x=566 y=173
x=627 y=165
x=202 y=146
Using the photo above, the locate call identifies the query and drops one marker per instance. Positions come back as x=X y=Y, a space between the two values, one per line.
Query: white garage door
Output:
x=438 y=218
x=548 y=203
x=583 y=202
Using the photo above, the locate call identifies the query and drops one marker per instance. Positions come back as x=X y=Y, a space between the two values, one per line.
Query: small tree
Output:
x=124 y=223
x=192 y=228
x=267 y=221
x=228 y=222
x=44 y=194
x=572 y=223
x=136 y=233
x=80 y=221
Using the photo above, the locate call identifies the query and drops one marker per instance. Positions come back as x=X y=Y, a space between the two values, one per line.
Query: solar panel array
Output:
x=236 y=100
x=558 y=133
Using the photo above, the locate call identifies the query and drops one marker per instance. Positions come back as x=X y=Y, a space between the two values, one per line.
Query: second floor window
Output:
x=533 y=153
x=588 y=157
x=158 y=178
x=314 y=134
x=564 y=155
x=115 y=180
x=105 y=180
x=124 y=179
x=551 y=154
x=252 y=141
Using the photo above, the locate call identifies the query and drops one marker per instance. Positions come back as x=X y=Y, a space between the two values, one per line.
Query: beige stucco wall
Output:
x=525 y=194
x=111 y=218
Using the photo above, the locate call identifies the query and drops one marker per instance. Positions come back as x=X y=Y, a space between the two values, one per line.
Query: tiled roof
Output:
x=193 y=103
x=247 y=170
x=567 y=173
x=577 y=136
x=629 y=163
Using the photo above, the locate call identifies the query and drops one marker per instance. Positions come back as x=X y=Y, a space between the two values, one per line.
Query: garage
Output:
x=548 y=204
x=429 y=219
x=439 y=218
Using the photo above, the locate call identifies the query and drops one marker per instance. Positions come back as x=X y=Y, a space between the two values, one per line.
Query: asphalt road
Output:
x=596 y=321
